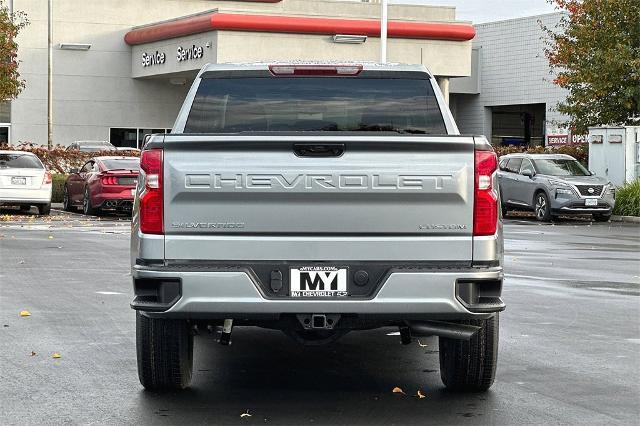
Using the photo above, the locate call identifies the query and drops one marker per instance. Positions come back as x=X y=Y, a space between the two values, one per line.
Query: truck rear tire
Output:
x=165 y=353
x=470 y=366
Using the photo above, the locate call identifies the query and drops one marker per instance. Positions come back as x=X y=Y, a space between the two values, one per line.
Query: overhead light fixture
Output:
x=75 y=46
x=350 y=39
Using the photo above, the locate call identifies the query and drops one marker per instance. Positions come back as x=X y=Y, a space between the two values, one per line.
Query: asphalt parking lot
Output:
x=569 y=350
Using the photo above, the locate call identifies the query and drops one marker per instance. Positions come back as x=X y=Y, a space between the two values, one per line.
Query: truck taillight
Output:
x=151 y=199
x=485 y=208
x=47 y=179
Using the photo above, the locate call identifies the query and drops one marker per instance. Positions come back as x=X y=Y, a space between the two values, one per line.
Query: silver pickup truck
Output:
x=317 y=199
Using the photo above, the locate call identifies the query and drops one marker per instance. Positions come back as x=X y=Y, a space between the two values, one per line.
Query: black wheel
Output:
x=541 y=207
x=599 y=217
x=165 y=353
x=471 y=365
x=87 y=208
x=25 y=209
x=44 y=209
x=66 y=200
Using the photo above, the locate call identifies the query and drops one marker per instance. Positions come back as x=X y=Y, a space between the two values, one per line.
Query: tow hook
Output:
x=227 y=328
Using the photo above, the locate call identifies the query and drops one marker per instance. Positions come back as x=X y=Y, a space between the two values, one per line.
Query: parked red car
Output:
x=102 y=184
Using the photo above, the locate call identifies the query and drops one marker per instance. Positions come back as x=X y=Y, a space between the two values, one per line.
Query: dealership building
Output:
x=121 y=68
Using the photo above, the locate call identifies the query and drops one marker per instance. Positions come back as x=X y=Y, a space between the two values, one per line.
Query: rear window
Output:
x=20 y=161
x=314 y=104
x=124 y=163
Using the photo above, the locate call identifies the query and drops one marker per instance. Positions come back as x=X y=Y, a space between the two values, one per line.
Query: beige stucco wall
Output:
x=94 y=90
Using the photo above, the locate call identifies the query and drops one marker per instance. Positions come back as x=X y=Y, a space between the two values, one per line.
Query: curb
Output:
x=628 y=219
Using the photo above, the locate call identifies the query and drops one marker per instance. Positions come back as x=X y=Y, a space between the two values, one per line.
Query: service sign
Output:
x=176 y=55
x=557 y=140
x=157 y=58
x=189 y=53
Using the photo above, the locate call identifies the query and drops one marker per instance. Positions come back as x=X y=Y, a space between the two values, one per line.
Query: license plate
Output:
x=16 y=180
x=590 y=202
x=318 y=281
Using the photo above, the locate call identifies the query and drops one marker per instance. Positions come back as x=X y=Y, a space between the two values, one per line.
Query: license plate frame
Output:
x=311 y=282
x=18 y=180
x=591 y=202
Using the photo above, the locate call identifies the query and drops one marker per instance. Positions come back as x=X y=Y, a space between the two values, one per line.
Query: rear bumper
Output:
x=114 y=198
x=22 y=196
x=403 y=294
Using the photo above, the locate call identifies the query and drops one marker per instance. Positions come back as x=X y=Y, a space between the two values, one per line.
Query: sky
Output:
x=479 y=11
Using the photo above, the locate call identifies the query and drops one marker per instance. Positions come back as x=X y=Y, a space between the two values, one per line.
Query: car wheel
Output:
x=87 y=208
x=165 y=353
x=66 y=200
x=599 y=217
x=542 y=208
x=470 y=365
x=44 y=209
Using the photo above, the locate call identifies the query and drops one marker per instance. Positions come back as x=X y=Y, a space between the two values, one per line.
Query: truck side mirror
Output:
x=528 y=173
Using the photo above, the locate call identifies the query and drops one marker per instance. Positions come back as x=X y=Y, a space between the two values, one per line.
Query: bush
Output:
x=578 y=151
x=628 y=199
x=59 y=160
x=58 y=187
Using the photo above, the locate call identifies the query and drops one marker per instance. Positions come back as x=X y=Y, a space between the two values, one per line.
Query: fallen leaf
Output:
x=21 y=262
x=33 y=353
x=25 y=313
x=245 y=414
x=420 y=395
x=398 y=390
x=56 y=355
x=421 y=345
x=51 y=237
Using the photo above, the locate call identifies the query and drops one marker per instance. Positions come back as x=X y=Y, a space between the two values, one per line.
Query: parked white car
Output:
x=24 y=181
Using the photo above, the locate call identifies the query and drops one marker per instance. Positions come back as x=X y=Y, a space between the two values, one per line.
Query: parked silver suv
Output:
x=553 y=184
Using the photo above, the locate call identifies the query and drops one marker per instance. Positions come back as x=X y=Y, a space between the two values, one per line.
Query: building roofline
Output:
x=518 y=19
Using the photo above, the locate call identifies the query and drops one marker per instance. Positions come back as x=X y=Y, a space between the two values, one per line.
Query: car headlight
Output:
x=566 y=191
x=610 y=190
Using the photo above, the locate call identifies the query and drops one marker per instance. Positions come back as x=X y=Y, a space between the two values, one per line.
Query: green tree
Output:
x=594 y=53
x=10 y=25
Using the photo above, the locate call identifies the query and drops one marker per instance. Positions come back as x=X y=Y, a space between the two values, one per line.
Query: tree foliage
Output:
x=594 y=53
x=10 y=25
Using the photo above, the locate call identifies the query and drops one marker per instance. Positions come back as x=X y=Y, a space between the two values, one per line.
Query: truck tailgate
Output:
x=255 y=198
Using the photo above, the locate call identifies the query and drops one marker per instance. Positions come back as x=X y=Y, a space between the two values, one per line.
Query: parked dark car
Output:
x=91 y=146
x=102 y=184
x=553 y=184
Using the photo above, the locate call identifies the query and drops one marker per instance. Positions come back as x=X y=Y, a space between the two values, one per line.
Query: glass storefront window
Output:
x=131 y=137
x=124 y=137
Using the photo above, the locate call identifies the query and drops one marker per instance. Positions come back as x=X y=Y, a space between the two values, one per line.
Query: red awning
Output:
x=299 y=25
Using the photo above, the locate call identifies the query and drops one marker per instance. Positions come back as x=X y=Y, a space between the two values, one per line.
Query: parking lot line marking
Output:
x=108 y=292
